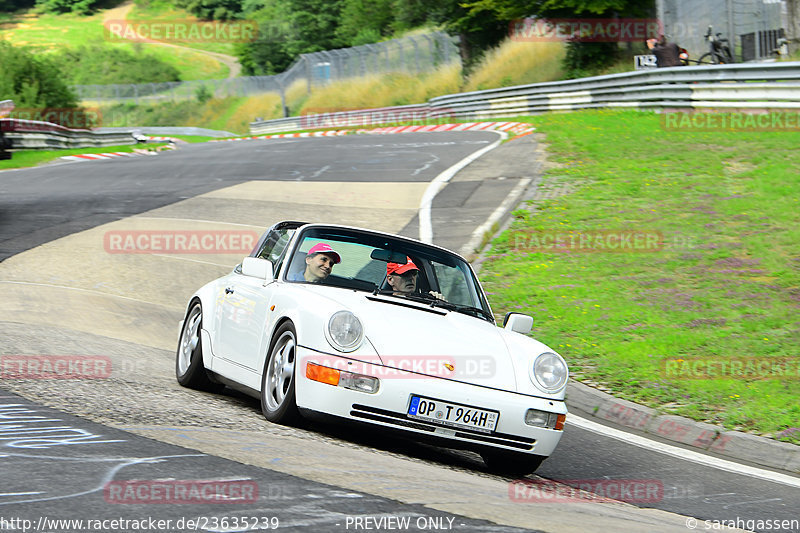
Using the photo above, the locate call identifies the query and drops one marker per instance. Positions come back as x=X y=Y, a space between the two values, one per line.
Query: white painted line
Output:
x=477 y=235
x=438 y=183
x=681 y=453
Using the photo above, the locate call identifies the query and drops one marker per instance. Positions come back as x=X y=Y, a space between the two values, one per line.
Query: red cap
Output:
x=397 y=268
x=325 y=248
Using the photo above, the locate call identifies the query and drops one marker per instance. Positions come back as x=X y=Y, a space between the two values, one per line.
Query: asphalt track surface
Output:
x=48 y=204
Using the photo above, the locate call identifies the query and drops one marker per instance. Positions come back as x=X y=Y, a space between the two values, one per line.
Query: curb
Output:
x=520 y=128
x=136 y=152
x=699 y=435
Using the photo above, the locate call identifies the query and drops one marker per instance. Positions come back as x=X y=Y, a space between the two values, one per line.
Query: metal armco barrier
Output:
x=37 y=135
x=404 y=114
x=740 y=86
x=757 y=86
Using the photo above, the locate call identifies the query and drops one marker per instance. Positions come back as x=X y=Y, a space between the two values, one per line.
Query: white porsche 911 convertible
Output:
x=379 y=329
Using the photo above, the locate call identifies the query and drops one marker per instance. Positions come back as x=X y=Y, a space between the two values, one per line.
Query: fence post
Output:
x=308 y=73
x=731 y=28
x=432 y=62
x=282 y=91
x=416 y=54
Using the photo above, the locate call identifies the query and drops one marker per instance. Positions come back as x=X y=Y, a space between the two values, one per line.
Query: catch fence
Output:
x=412 y=54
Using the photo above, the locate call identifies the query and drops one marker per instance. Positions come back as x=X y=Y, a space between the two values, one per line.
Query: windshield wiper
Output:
x=436 y=302
x=475 y=311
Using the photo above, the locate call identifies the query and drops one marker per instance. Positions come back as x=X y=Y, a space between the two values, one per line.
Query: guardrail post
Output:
x=5 y=145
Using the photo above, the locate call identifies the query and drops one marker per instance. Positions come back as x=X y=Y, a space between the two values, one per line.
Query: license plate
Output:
x=452 y=414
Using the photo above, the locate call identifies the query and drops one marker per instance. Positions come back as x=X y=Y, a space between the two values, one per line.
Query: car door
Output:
x=244 y=305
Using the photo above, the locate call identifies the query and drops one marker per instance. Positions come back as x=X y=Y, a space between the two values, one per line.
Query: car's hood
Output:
x=435 y=341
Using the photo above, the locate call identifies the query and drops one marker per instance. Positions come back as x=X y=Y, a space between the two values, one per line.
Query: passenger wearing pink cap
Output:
x=319 y=263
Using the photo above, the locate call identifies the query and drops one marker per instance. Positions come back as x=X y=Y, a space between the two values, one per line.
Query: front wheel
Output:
x=189 y=369
x=278 y=380
x=707 y=59
x=713 y=59
x=511 y=463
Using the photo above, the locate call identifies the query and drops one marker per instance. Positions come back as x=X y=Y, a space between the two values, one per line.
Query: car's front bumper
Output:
x=389 y=405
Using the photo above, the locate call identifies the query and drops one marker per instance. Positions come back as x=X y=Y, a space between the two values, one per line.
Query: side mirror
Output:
x=257 y=268
x=518 y=322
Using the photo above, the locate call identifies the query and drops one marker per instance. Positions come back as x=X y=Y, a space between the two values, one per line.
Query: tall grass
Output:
x=228 y=114
x=398 y=88
x=517 y=63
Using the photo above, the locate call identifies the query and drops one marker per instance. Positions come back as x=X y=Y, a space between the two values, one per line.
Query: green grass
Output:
x=726 y=284
x=163 y=11
x=52 y=32
x=32 y=158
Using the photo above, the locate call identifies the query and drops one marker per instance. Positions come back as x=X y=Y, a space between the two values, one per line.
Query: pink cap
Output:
x=325 y=248
x=397 y=268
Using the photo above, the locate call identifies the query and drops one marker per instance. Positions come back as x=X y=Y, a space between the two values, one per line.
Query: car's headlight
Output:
x=345 y=331
x=549 y=372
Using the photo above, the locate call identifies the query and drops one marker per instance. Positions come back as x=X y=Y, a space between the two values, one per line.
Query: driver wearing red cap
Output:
x=319 y=263
x=402 y=278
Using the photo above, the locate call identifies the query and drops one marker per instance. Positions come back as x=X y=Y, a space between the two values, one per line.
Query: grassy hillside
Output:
x=54 y=32
x=722 y=285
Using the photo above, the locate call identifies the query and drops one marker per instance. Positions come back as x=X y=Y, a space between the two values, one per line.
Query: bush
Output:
x=98 y=64
x=588 y=58
x=203 y=94
x=81 y=7
x=33 y=81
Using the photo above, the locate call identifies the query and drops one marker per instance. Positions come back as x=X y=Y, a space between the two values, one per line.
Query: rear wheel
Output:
x=189 y=369
x=511 y=463
x=278 y=379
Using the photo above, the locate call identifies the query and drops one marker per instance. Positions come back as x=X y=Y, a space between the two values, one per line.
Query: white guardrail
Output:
x=38 y=135
x=739 y=86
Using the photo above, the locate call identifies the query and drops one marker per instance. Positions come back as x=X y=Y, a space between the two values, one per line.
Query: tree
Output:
x=582 y=57
x=212 y=9
x=364 y=21
x=9 y=6
x=33 y=81
x=81 y=7
x=267 y=53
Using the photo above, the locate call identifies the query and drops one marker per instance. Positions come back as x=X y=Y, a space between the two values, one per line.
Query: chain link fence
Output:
x=753 y=27
x=413 y=54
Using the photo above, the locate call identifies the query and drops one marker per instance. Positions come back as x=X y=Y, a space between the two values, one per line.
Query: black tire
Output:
x=707 y=59
x=189 y=369
x=511 y=463
x=278 y=379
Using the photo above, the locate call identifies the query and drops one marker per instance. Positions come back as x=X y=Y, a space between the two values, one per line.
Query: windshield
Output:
x=388 y=266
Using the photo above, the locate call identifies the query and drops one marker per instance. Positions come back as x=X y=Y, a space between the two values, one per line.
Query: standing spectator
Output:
x=667 y=54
